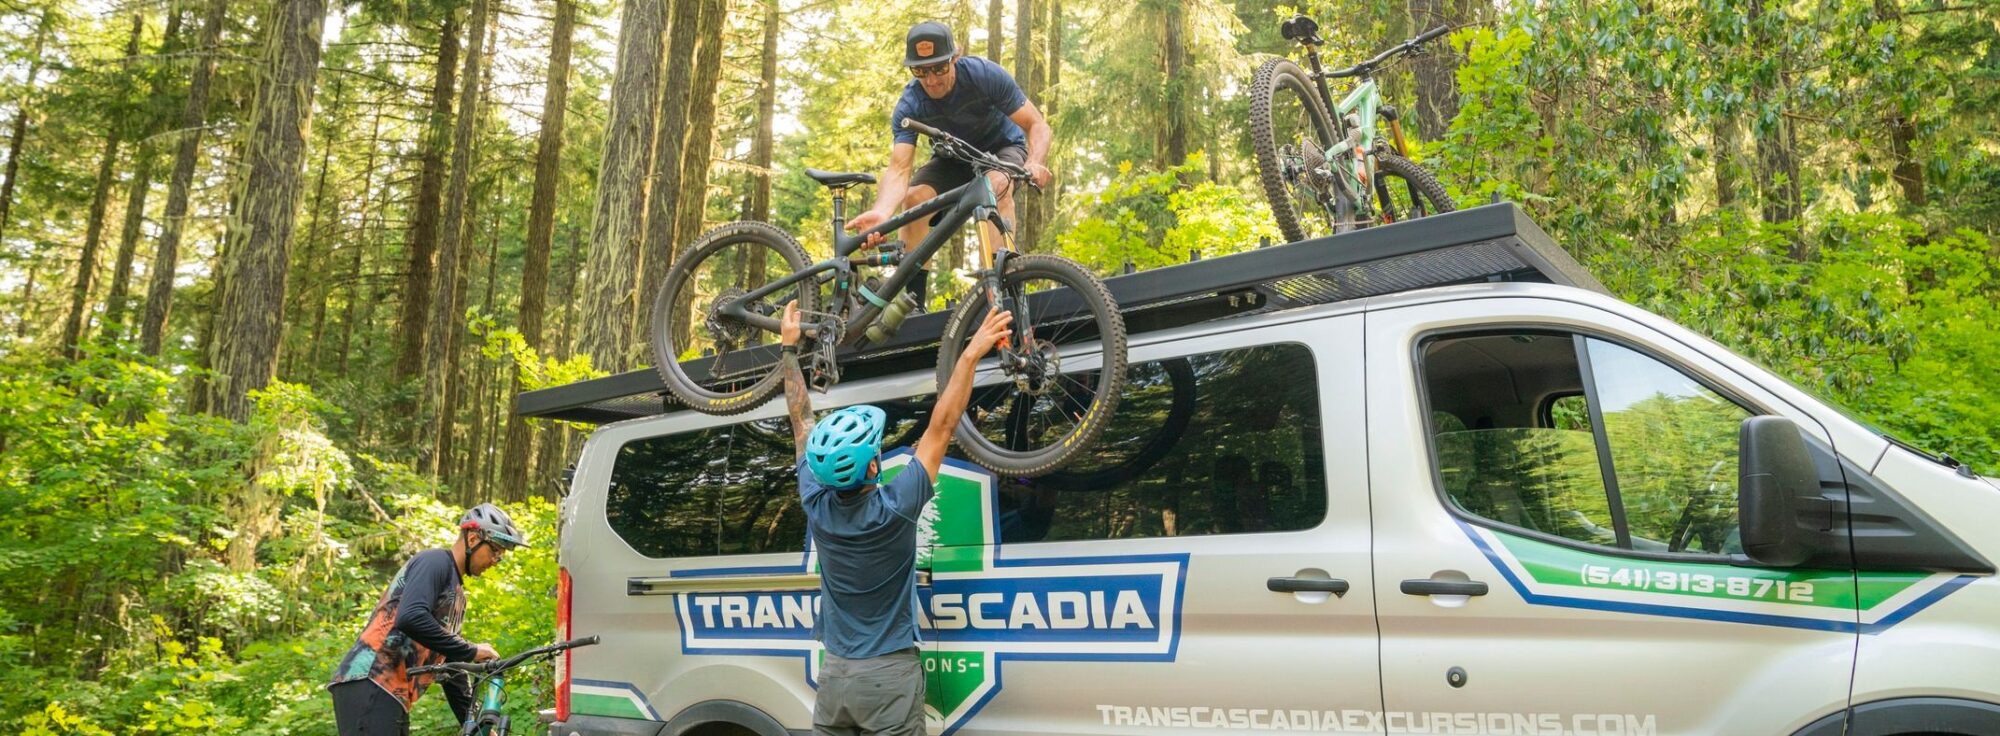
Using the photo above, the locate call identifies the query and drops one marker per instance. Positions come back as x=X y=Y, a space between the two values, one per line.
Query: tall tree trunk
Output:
x=695 y=155
x=313 y=292
x=248 y=325
x=1777 y=158
x=173 y=220
x=1027 y=73
x=19 y=131
x=1908 y=172
x=767 y=108
x=477 y=450
x=1174 y=145
x=361 y=240
x=93 y=234
x=1052 y=199
x=516 y=452
x=116 y=303
x=1724 y=137
x=119 y=302
x=554 y=453
x=961 y=19
x=423 y=262
x=438 y=349
x=619 y=223
x=1435 y=72
x=995 y=28
x=669 y=145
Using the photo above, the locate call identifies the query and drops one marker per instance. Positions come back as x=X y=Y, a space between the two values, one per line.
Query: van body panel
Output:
x=1949 y=648
x=1543 y=645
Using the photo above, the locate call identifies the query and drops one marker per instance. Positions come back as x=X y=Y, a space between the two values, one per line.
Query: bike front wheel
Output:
x=1292 y=134
x=714 y=363
x=1037 y=414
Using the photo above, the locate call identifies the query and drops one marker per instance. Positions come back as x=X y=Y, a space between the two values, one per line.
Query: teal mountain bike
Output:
x=1328 y=174
x=490 y=685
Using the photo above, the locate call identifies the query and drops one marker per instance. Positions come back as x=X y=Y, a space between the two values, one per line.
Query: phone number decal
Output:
x=1668 y=581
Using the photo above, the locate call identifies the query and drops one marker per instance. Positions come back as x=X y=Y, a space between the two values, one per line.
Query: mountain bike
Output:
x=1333 y=174
x=491 y=687
x=1040 y=398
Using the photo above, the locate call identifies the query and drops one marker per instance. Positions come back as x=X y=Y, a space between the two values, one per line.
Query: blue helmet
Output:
x=840 y=446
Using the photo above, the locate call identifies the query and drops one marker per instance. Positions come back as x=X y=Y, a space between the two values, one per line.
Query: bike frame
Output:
x=971 y=201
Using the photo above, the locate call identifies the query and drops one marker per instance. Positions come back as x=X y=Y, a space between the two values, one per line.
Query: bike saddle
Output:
x=838 y=179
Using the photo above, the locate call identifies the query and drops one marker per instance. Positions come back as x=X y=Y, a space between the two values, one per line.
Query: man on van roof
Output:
x=415 y=624
x=971 y=98
x=872 y=681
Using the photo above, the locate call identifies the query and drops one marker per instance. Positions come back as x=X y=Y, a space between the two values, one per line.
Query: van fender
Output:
x=1909 y=716
x=711 y=712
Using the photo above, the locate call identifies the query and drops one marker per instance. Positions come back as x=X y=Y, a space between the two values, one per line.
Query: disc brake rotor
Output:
x=1041 y=363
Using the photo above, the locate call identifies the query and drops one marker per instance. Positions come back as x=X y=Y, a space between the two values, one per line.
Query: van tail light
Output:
x=562 y=634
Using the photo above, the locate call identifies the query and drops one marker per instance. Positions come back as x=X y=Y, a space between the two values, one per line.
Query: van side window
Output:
x=1219 y=443
x=727 y=490
x=1583 y=439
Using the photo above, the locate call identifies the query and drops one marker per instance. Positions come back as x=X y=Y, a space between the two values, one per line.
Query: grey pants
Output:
x=879 y=695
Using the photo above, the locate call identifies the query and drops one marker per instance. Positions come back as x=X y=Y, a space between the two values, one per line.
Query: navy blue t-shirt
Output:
x=976 y=110
x=867 y=562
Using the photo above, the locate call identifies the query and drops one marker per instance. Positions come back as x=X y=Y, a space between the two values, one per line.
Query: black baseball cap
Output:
x=929 y=42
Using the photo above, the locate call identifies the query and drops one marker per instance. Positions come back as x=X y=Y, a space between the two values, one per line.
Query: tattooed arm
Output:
x=797 y=403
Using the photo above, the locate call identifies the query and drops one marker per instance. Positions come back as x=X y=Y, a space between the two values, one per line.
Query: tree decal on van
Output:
x=980 y=610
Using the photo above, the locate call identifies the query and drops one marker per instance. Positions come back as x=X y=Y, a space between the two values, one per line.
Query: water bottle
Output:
x=892 y=318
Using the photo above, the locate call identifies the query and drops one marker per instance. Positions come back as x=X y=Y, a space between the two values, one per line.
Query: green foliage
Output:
x=124 y=516
x=1153 y=218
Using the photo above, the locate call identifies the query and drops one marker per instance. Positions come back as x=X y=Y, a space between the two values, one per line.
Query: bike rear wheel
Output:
x=726 y=263
x=1406 y=191
x=1292 y=133
x=1035 y=419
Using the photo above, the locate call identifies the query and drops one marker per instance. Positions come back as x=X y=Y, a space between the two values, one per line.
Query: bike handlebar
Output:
x=1400 y=49
x=958 y=149
x=501 y=665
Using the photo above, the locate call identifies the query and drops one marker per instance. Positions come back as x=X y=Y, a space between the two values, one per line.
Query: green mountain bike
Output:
x=492 y=687
x=1330 y=174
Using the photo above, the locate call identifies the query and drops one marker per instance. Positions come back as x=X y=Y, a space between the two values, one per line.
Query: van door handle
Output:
x=1335 y=586
x=1444 y=587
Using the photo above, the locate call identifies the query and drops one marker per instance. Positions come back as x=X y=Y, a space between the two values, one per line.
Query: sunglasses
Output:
x=934 y=70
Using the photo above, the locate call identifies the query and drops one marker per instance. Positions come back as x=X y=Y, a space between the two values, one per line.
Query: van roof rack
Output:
x=1495 y=242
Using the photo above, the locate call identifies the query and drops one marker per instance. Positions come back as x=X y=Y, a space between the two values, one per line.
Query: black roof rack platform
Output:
x=1495 y=242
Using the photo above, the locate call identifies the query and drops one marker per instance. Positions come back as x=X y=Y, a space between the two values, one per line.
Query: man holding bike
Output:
x=416 y=623
x=872 y=681
x=971 y=98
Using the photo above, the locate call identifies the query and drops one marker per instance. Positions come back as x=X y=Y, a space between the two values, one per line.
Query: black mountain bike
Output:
x=723 y=296
x=1324 y=174
x=491 y=688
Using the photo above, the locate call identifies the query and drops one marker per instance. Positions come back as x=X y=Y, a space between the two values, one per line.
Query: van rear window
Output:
x=1218 y=443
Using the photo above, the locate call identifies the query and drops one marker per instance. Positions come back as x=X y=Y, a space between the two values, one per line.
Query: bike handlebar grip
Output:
x=922 y=128
x=1430 y=34
x=578 y=642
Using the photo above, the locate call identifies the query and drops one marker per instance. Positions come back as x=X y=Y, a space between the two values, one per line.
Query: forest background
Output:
x=271 y=271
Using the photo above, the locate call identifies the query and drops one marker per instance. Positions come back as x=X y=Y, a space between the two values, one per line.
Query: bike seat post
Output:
x=839 y=209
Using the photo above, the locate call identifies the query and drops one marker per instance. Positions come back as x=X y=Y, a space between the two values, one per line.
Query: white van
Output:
x=1378 y=483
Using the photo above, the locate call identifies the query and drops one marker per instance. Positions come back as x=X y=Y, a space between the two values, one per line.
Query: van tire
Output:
x=723 y=718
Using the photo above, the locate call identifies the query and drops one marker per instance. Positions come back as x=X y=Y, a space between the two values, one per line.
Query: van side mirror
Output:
x=1782 y=513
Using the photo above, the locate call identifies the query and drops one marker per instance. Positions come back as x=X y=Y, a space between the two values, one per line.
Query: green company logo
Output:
x=1550 y=574
x=981 y=608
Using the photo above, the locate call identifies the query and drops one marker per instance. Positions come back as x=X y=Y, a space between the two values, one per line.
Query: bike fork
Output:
x=995 y=260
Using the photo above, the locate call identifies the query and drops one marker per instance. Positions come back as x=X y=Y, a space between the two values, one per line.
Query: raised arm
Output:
x=957 y=392
x=797 y=402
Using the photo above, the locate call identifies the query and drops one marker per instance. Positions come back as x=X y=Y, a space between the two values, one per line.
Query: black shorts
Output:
x=363 y=708
x=943 y=174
